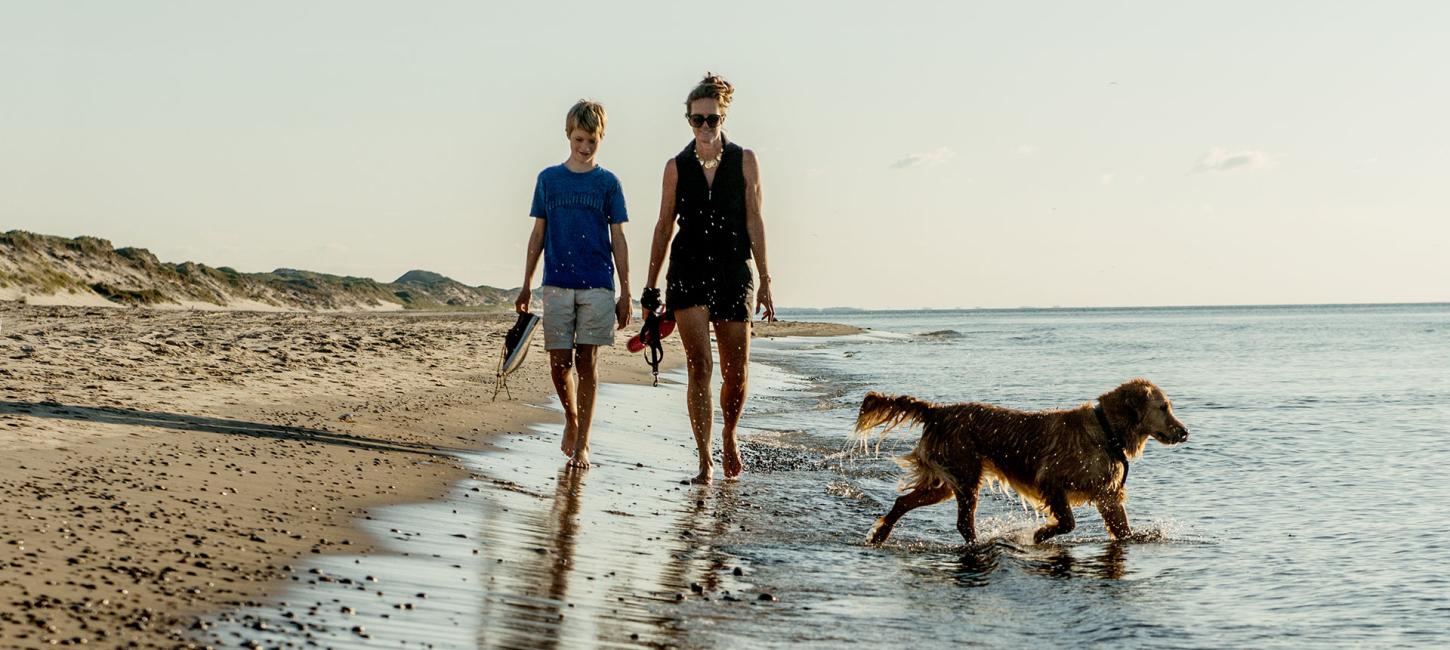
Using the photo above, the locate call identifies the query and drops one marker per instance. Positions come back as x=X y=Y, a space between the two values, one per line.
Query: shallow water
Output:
x=1308 y=508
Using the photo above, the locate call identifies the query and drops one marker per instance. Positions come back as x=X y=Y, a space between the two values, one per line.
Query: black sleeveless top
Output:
x=711 y=218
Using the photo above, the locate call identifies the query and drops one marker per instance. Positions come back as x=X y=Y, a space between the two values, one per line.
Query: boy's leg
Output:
x=733 y=340
x=694 y=327
x=594 y=320
x=561 y=370
x=559 y=334
x=584 y=365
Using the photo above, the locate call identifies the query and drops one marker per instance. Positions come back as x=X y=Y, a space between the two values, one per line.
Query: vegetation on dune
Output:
x=48 y=264
x=134 y=297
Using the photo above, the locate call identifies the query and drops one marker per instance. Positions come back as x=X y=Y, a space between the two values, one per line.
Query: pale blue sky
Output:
x=930 y=155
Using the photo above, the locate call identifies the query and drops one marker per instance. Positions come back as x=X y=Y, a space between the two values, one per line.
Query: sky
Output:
x=931 y=154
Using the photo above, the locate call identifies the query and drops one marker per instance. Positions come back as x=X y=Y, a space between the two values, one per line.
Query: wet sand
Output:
x=526 y=552
x=171 y=471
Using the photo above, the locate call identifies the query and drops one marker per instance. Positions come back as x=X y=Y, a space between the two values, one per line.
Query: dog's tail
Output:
x=890 y=410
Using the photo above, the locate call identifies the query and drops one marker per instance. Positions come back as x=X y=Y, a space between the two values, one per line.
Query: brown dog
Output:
x=1055 y=459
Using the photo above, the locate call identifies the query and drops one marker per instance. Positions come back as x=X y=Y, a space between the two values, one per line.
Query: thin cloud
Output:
x=937 y=157
x=1218 y=160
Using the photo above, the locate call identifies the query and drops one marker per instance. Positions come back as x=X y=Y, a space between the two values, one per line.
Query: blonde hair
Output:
x=586 y=115
x=713 y=86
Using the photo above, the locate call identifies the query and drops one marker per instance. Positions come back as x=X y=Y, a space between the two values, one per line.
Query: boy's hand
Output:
x=621 y=311
x=521 y=305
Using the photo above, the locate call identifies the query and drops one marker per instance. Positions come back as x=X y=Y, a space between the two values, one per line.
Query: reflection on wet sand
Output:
x=608 y=559
x=532 y=554
x=537 y=617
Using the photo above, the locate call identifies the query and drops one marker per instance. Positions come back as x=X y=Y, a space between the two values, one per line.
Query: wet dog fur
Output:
x=1054 y=459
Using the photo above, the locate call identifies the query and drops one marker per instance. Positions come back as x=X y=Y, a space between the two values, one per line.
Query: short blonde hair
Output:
x=586 y=115
x=713 y=86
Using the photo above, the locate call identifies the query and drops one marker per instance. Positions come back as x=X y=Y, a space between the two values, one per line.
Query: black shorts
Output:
x=723 y=290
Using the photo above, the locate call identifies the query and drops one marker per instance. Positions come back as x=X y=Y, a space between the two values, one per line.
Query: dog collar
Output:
x=1116 y=446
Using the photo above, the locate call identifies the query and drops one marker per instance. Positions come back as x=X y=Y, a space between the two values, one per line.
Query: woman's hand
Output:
x=649 y=302
x=764 y=301
x=521 y=305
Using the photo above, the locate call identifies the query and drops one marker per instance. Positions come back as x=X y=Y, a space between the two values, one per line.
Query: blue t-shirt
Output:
x=578 y=208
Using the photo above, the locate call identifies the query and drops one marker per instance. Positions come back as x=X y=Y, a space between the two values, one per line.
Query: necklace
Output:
x=711 y=163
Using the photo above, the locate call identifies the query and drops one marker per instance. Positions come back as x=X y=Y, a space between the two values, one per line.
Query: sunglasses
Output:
x=697 y=120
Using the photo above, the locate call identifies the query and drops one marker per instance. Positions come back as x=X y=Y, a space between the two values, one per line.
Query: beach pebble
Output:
x=767 y=597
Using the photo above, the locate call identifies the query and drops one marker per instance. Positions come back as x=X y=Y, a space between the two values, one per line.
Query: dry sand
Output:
x=800 y=328
x=162 y=465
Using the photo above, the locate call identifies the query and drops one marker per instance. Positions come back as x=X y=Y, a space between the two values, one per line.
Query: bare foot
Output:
x=580 y=459
x=705 y=477
x=570 y=433
x=733 y=464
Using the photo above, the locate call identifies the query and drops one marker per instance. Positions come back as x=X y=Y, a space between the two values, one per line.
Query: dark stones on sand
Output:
x=766 y=597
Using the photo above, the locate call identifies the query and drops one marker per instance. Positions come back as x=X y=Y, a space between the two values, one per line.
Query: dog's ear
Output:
x=1125 y=405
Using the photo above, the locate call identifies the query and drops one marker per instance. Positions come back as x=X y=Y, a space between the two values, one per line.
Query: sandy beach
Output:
x=167 y=466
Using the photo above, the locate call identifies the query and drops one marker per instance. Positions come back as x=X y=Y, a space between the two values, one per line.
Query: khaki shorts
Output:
x=577 y=317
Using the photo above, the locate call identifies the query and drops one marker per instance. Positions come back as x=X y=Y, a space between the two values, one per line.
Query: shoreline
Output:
x=170 y=467
x=168 y=464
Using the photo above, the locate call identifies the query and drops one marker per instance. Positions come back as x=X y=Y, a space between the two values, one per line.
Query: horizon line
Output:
x=1427 y=303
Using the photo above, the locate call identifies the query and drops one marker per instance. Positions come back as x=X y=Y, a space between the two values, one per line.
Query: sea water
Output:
x=1308 y=508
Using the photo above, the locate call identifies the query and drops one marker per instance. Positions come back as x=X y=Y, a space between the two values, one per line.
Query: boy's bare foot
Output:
x=706 y=475
x=733 y=464
x=570 y=434
x=580 y=459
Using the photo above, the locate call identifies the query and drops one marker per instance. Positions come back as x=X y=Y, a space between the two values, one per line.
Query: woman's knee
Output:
x=700 y=366
x=734 y=376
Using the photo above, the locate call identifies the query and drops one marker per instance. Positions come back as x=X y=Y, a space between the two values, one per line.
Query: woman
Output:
x=713 y=188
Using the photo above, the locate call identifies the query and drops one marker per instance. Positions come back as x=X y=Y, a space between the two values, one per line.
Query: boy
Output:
x=579 y=217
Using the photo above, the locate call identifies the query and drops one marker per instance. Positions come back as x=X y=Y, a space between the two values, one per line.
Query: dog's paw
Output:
x=878 y=534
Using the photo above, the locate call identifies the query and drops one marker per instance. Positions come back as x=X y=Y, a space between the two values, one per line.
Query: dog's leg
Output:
x=968 y=483
x=1115 y=517
x=921 y=496
x=1062 y=521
